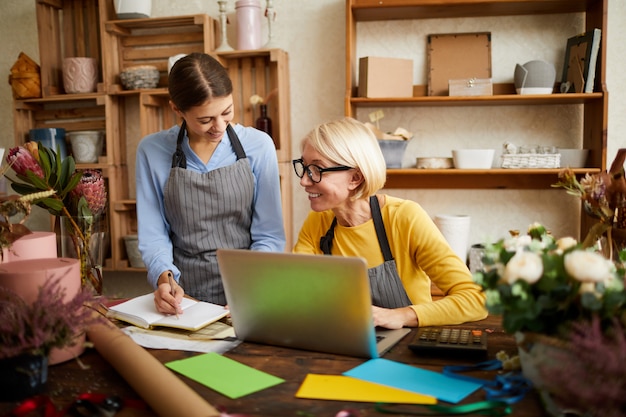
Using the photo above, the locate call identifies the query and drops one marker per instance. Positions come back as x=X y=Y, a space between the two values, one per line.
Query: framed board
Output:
x=457 y=56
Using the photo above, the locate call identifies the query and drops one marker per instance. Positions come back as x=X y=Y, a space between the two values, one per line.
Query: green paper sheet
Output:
x=224 y=375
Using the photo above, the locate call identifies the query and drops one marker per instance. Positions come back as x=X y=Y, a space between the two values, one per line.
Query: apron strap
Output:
x=383 y=242
x=178 y=159
x=326 y=241
x=235 y=143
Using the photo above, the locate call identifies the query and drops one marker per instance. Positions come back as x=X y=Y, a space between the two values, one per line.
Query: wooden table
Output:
x=66 y=381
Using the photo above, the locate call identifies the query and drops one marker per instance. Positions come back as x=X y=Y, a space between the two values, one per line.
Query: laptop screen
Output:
x=312 y=302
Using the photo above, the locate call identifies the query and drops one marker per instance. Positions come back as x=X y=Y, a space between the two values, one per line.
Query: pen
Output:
x=172 y=291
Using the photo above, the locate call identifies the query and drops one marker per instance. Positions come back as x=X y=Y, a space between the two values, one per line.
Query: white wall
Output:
x=312 y=32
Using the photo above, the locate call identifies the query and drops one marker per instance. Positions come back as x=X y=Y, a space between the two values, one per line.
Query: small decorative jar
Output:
x=80 y=75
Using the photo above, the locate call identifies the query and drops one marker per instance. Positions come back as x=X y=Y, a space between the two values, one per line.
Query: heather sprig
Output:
x=48 y=322
x=589 y=373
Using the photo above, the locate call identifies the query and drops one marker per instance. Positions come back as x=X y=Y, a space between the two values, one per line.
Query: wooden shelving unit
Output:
x=595 y=104
x=91 y=28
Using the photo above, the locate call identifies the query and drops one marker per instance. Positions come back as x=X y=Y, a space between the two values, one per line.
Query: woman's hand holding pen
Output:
x=168 y=295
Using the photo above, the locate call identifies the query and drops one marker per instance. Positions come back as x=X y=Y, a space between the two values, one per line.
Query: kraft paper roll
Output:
x=456 y=229
x=159 y=387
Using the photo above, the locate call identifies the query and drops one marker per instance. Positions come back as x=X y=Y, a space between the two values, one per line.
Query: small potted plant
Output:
x=30 y=330
x=566 y=305
x=33 y=323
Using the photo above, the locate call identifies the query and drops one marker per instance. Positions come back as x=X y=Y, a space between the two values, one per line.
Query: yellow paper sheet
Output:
x=345 y=388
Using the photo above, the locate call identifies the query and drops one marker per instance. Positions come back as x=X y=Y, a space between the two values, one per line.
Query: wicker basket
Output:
x=25 y=78
x=531 y=160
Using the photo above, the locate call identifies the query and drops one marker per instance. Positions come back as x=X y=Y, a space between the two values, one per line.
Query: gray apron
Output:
x=385 y=284
x=207 y=211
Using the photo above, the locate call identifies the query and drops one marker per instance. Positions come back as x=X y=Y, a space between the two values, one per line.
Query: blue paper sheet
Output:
x=407 y=377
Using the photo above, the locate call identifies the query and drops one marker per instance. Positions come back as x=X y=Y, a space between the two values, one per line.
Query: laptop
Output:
x=311 y=302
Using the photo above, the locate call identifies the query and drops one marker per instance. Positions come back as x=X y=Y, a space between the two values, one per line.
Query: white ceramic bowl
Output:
x=573 y=158
x=473 y=158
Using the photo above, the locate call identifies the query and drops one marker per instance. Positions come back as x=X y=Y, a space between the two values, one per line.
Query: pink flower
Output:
x=21 y=160
x=91 y=186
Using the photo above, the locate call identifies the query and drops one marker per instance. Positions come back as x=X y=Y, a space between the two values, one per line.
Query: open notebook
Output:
x=312 y=302
x=141 y=312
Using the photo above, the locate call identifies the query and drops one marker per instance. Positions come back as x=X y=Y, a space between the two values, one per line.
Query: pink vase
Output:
x=248 y=24
x=80 y=75
x=24 y=277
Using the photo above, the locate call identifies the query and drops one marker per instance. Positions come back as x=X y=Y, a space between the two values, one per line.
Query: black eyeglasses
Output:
x=314 y=172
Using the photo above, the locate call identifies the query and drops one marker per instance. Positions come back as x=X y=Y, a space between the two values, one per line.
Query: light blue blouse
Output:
x=153 y=164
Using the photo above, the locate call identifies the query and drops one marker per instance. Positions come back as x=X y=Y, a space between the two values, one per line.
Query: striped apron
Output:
x=385 y=284
x=206 y=212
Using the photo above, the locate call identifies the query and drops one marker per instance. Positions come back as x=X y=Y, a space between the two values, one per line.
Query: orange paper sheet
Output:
x=345 y=388
x=159 y=387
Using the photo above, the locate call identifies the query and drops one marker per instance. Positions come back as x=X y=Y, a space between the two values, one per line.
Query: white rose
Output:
x=516 y=243
x=526 y=266
x=588 y=266
x=565 y=243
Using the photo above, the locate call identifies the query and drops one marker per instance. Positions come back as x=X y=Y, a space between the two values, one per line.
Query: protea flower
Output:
x=22 y=161
x=91 y=186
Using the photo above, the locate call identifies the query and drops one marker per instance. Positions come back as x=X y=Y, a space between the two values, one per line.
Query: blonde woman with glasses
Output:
x=342 y=170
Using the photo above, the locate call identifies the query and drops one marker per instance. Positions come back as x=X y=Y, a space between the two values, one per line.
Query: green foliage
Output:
x=58 y=175
x=556 y=296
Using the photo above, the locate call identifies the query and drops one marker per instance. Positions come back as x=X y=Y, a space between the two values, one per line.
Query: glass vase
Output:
x=84 y=238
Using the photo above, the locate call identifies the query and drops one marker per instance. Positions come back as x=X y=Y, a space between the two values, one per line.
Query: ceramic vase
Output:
x=248 y=24
x=86 y=145
x=80 y=75
x=131 y=243
x=133 y=9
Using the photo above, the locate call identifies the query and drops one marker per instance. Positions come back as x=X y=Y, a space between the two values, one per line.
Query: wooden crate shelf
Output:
x=65 y=29
x=90 y=28
x=262 y=72
x=84 y=113
x=151 y=42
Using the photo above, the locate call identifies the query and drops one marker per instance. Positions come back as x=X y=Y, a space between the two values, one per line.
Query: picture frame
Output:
x=579 y=67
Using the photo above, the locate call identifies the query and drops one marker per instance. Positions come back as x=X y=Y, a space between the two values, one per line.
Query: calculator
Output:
x=449 y=340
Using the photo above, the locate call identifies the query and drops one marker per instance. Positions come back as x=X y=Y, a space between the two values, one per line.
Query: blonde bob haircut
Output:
x=349 y=142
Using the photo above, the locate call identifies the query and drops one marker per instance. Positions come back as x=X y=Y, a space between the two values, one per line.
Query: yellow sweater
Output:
x=422 y=255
